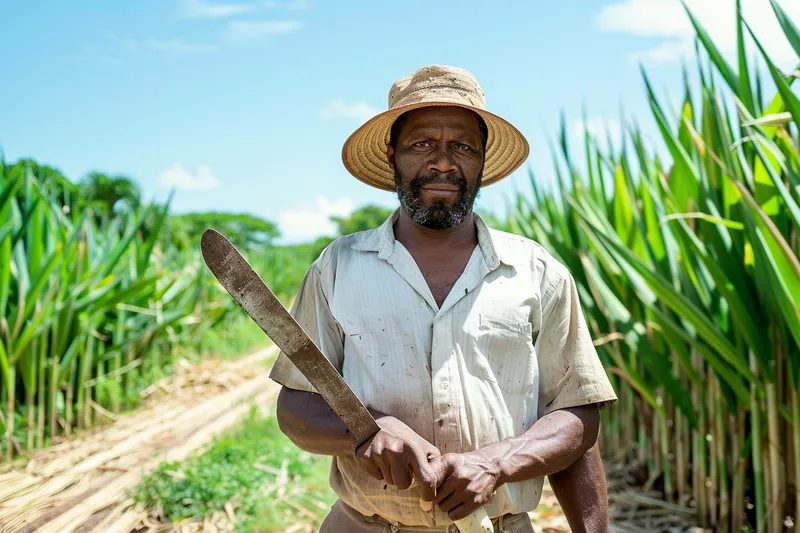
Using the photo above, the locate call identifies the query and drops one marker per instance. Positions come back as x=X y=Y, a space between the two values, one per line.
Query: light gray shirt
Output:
x=508 y=345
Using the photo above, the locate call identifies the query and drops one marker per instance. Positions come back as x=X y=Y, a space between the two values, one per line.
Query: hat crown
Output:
x=437 y=83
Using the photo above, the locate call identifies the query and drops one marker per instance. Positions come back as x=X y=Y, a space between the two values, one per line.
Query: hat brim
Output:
x=364 y=152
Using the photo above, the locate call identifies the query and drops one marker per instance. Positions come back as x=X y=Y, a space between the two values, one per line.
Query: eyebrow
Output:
x=429 y=131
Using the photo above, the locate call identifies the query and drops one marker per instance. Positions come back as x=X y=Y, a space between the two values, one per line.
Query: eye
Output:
x=421 y=144
x=463 y=147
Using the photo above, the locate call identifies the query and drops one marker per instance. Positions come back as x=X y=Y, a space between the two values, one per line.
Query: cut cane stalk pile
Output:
x=82 y=484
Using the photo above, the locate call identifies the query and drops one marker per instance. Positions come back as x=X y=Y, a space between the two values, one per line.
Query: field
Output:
x=687 y=262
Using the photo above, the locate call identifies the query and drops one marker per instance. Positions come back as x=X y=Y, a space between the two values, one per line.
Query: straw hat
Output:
x=364 y=152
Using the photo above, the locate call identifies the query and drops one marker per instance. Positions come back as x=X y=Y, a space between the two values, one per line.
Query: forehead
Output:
x=441 y=117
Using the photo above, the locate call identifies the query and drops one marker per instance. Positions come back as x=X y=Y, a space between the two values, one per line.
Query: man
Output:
x=466 y=343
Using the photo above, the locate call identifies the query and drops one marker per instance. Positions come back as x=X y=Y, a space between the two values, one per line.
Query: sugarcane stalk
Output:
x=10 y=406
x=757 y=455
x=70 y=397
x=699 y=446
x=720 y=413
x=796 y=433
x=30 y=393
x=42 y=391
x=711 y=440
x=740 y=469
x=54 y=389
x=773 y=452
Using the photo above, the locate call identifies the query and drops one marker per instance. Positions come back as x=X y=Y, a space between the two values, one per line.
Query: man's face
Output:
x=438 y=165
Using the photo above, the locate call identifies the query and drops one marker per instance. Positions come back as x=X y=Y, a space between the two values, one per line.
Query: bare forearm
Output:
x=582 y=493
x=552 y=444
x=311 y=424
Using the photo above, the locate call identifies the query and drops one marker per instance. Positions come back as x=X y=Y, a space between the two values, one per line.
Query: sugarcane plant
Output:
x=89 y=305
x=689 y=276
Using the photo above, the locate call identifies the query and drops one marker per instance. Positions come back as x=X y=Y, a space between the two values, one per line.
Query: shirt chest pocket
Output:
x=505 y=344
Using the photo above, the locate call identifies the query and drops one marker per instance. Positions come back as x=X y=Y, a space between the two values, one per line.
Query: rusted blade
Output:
x=266 y=310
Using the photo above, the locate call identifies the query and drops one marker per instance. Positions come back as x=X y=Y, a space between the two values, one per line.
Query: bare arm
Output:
x=311 y=424
x=551 y=445
x=582 y=493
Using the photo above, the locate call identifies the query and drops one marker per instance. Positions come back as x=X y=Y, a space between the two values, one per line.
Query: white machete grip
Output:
x=477 y=522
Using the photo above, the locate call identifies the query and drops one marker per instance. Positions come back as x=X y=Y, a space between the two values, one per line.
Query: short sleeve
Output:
x=570 y=371
x=311 y=310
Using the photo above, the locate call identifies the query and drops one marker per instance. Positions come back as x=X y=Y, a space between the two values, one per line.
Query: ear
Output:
x=390 y=155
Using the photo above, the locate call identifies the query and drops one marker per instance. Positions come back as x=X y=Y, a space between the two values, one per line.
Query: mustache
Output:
x=420 y=180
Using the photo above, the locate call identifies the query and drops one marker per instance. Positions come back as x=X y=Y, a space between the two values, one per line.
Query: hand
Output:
x=396 y=454
x=465 y=482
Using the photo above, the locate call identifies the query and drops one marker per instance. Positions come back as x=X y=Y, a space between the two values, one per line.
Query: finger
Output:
x=448 y=488
x=386 y=472
x=453 y=500
x=372 y=469
x=441 y=468
x=402 y=480
x=431 y=451
x=368 y=463
x=462 y=511
x=424 y=474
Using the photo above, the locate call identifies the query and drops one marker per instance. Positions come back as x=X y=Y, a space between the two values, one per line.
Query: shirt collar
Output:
x=381 y=240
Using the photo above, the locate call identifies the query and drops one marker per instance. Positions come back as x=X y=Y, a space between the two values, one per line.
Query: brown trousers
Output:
x=345 y=519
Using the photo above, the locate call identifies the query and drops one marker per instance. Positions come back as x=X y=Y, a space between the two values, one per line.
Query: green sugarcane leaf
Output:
x=725 y=372
x=5 y=365
x=44 y=273
x=154 y=234
x=111 y=299
x=745 y=89
x=732 y=224
x=789 y=27
x=685 y=308
x=791 y=101
x=657 y=365
x=112 y=258
x=69 y=356
x=784 y=272
x=723 y=67
x=747 y=317
x=768 y=153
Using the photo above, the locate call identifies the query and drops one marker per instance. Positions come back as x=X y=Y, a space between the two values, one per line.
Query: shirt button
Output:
x=445 y=384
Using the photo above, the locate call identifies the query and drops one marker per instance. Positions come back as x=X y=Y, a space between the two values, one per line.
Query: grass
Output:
x=269 y=482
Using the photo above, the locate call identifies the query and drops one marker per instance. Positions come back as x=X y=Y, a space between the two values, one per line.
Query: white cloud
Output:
x=599 y=128
x=288 y=4
x=173 y=46
x=306 y=223
x=196 y=9
x=180 y=178
x=667 y=19
x=341 y=109
x=248 y=31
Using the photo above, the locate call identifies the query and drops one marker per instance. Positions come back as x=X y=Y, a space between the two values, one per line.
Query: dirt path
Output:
x=79 y=485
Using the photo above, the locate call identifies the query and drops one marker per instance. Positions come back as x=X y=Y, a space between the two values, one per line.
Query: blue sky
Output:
x=244 y=105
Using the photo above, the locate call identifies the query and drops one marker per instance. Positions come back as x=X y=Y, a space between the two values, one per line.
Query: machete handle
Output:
x=477 y=522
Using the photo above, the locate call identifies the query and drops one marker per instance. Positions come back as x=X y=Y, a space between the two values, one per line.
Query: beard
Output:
x=439 y=215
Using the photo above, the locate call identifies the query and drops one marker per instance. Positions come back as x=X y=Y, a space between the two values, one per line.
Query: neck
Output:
x=412 y=234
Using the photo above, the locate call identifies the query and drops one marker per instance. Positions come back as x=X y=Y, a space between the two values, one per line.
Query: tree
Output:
x=246 y=232
x=55 y=185
x=109 y=192
x=363 y=218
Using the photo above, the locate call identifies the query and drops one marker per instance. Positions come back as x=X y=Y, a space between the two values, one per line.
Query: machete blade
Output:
x=265 y=309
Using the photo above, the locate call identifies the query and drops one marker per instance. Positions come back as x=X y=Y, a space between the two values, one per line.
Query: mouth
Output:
x=441 y=190
x=441 y=187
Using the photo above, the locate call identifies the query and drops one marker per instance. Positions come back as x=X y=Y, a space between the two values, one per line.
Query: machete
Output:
x=259 y=302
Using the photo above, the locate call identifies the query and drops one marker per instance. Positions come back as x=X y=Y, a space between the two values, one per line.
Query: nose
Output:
x=442 y=160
